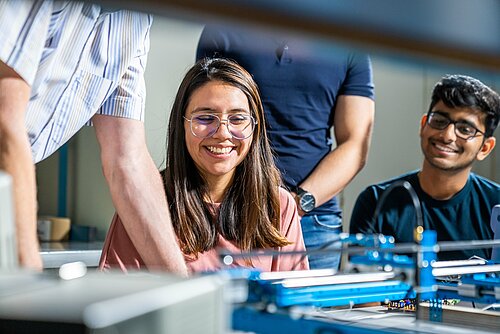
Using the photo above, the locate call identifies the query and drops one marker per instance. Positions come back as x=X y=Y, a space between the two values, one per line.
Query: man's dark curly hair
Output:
x=459 y=91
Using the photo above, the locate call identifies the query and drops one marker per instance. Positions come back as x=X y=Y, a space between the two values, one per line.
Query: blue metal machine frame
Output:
x=405 y=278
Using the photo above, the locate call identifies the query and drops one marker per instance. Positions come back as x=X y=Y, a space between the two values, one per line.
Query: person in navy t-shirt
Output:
x=307 y=88
x=456 y=131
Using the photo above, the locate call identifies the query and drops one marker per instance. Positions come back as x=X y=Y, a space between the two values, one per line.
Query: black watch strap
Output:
x=299 y=191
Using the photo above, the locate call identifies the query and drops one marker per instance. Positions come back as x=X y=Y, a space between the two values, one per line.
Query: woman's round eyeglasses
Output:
x=240 y=126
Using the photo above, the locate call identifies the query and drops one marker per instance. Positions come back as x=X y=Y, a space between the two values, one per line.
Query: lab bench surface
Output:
x=55 y=254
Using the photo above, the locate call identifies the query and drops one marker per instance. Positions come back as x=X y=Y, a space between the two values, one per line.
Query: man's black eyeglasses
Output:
x=463 y=129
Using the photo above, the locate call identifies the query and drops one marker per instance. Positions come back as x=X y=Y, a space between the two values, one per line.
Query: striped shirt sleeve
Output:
x=128 y=99
x=79 y=60
x=23 y=28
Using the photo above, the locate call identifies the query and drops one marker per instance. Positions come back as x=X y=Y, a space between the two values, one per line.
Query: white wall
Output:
x=402 y=96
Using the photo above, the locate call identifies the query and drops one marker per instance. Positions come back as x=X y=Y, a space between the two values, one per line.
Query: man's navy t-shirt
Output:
x=465 y=216
x=299 y=82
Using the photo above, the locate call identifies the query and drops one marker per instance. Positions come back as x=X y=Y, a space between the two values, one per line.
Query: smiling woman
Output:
x=233 y=200
x=217 y=150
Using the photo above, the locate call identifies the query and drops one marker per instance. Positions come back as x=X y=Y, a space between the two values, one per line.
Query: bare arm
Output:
x=137 y=192
x=16 y=159
x=353 y=127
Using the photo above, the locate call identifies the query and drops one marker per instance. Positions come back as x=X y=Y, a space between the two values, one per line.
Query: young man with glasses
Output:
x=456 y=203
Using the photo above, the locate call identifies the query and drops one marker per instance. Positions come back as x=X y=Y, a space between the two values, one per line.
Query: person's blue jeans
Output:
x=318 y=231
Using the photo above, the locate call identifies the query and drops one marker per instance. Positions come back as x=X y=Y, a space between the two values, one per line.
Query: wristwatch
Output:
x=305 y=200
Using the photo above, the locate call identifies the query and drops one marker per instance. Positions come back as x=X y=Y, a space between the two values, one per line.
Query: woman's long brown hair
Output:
x=250 y=211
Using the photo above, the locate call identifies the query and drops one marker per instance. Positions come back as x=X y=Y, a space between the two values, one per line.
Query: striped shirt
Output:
x=79 y=59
